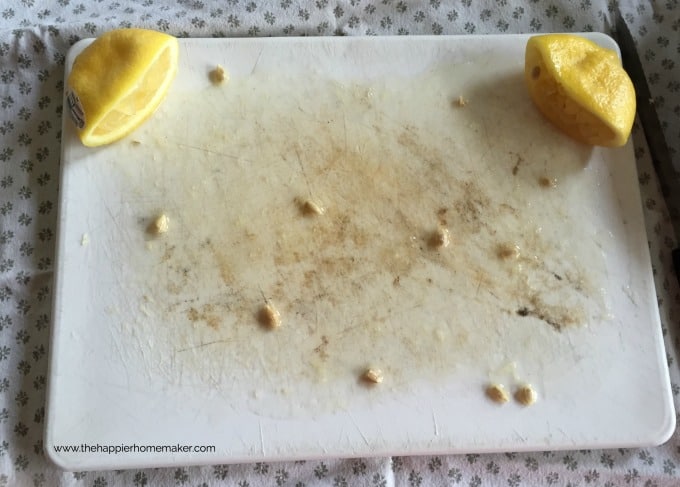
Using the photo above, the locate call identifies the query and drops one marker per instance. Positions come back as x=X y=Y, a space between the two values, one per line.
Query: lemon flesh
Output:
x=581 y=88
x=118 y=81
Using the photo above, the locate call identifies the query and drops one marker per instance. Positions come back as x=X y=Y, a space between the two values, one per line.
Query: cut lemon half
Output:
x=118 y=81
x=581 y=88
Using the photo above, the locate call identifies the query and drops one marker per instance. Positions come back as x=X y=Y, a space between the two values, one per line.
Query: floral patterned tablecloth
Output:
x=34 y=38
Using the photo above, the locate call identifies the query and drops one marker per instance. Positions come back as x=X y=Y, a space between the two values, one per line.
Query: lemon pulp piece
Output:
x=118 y=81
x=581 y=88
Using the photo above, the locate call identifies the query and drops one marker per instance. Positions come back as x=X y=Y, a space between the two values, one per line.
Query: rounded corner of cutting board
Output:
x=61 y=462
x=666 y=427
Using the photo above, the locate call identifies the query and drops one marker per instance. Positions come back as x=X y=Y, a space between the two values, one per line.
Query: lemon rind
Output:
x=91 y=140
x=134 y=48
x=622 y=125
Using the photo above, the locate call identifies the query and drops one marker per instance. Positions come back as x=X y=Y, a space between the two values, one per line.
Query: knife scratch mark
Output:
x=264 y=297
x=349 y=330
x=434 y=422
x=114 y=219
x=262 y=449
x=578 y=359
x=344 y=121
x=356 y=425
x=259 y=55
x=202 y=345
x=119 y=350
x=208 y=151
x=521 y=438
x=302 y=168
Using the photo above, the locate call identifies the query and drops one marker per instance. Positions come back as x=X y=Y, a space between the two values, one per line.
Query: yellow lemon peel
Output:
x=118 y=81
x=581 y=88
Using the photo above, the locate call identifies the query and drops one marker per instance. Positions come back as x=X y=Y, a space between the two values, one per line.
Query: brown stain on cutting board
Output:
x=223 y=264
x=205 y=314
x=355 y=282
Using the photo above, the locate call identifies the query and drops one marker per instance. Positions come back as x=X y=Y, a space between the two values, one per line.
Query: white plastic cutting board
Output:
x=155 y=339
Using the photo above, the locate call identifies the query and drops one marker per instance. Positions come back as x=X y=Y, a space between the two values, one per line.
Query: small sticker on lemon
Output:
x=118 y=81
x=581 y=88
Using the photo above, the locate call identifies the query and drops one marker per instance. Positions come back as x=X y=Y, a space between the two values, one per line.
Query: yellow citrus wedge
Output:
x=118 y=81
x=581 y=88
